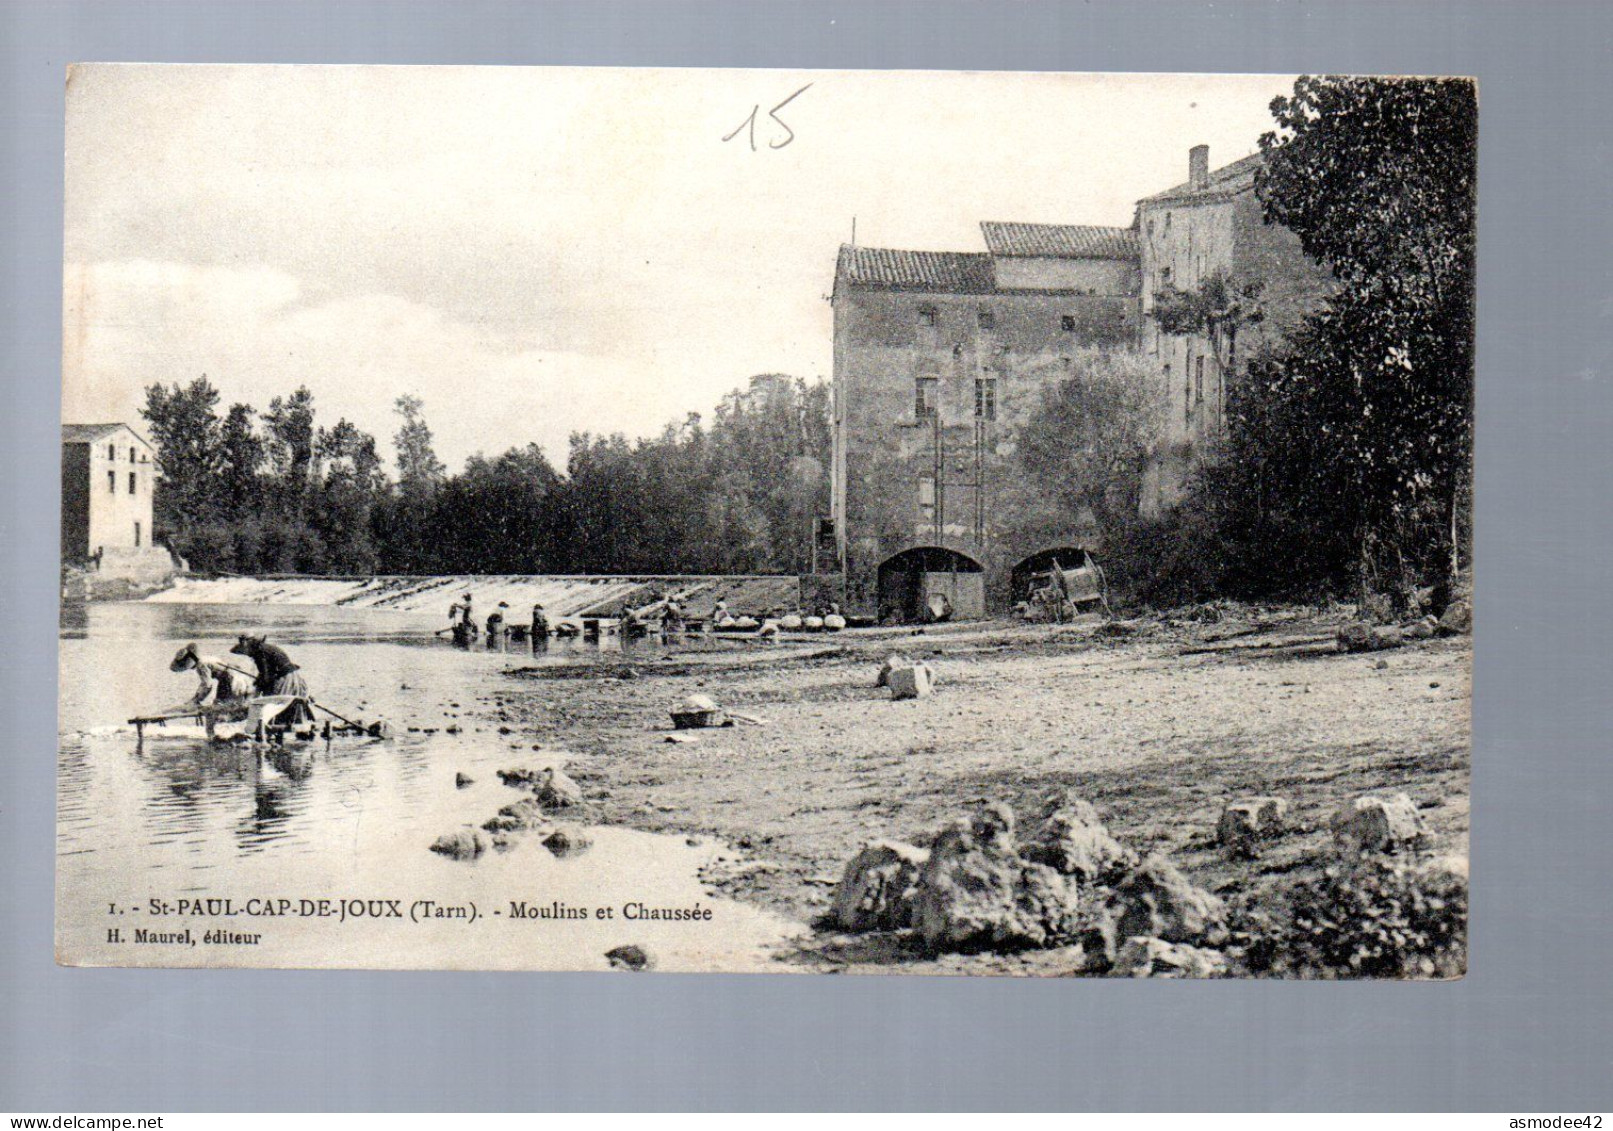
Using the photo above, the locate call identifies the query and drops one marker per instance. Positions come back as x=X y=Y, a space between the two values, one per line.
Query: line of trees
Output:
x=276 y=492
x=1345 y=468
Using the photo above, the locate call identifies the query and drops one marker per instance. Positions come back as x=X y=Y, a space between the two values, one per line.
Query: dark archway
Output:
x=912 y=582
x=1033 y=571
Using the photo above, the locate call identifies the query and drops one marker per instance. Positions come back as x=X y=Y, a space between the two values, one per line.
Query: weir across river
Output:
x=560 y=595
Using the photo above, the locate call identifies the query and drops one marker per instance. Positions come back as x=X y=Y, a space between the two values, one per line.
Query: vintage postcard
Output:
x=722 y=520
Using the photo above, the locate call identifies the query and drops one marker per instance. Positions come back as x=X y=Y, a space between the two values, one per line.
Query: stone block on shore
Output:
x=912 y=682
x=462 y=844
x=568 y=840
x=1458 y=618
x=1245 y=823
x=555 y=789
x=1377 y=824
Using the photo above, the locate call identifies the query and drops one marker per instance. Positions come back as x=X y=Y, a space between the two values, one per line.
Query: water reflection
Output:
x=178 y=802
x=175 y=813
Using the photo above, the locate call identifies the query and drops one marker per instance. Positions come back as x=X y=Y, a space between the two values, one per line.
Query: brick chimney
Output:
x=1198 y=166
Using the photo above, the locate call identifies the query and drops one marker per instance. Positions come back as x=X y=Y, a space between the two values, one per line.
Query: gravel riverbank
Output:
x=1158 y=722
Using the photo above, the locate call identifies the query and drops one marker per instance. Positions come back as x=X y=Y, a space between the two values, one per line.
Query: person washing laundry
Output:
x=277 y=674
x=221 y=692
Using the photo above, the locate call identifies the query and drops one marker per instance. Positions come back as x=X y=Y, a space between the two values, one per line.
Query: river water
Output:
x=154 y=835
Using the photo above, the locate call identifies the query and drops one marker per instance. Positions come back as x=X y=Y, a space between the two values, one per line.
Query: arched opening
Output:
x=929 y=583
x=1083 y=579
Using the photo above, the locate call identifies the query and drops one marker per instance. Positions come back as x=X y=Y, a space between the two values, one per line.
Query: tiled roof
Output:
x=1064 y=241
x=1223 y=182
x=89 y=433
x=945 y=272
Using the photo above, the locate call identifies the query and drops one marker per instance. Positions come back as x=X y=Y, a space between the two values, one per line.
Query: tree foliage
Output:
x=1088 y=443
x=1374 y=397
x=1345 y=464
x=281 y=493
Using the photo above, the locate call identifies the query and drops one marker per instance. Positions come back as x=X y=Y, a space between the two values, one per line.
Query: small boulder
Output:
x=1156 y=958
x=1387 y=636
x=892 y=662
x=557 y=790
x=1377 y=824
x=463 y=844
x=1074 y=842
x=877 y=888
x=1157 y=901
x=1244 y=824
x=1421 y=629
x=1359 y=636
x=1355 y=636
x=1458 y=618
x=630 y=957
x=976 y=893
x=518 y=777
x=462 y=779
x=526 y=813
x=910 y=682
x=568 y=840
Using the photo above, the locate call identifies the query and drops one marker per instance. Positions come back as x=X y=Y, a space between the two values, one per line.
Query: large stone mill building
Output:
x=939 y=357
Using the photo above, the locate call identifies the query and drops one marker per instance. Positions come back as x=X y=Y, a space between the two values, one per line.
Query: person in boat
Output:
x=221 y=690
x=277 y=674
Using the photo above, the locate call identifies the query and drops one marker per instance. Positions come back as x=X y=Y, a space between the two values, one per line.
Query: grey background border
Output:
x=1528 y=1029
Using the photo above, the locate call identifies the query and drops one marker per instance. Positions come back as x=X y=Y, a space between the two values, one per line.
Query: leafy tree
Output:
x=1377 y=178
x=1216 y=309
x=501 y=515
x=420 y=472
x=291 y=443
x=352 y=484
x=184 y=427
x=1088 y=443
x=241 y=459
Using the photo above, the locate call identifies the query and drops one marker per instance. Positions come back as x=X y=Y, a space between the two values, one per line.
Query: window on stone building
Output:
x=1150 y=226
x=927 y=497
x=988 y=320
x=131 y=482
x=925 y=392
x=1067 y=323
x=1167 y=221
x=137 y=534
x=986 y=398
x=927 y=316
x=112 y=482
x=131 y=455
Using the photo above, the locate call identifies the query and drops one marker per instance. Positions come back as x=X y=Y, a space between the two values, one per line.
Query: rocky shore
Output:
x=1214 y=760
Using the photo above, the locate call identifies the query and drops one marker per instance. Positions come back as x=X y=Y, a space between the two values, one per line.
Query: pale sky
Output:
x=534 y=251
